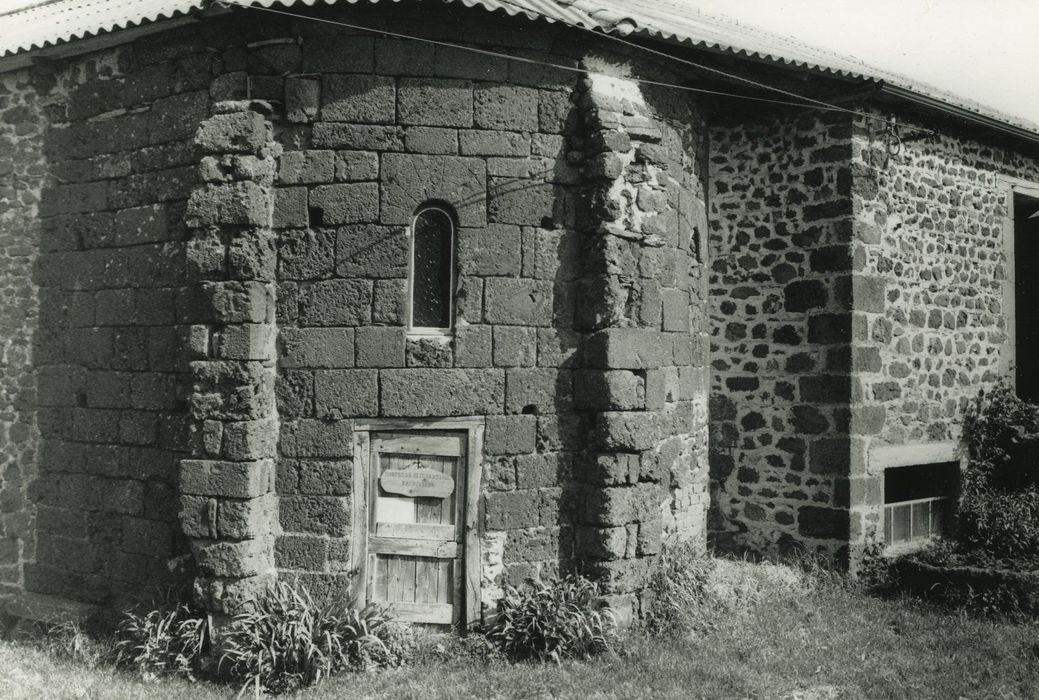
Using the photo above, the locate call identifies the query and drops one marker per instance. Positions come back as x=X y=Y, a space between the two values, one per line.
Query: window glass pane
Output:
x=431 y=270
x=900 y=523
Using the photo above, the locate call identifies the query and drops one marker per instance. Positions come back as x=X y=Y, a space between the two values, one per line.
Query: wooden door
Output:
x=416 y=506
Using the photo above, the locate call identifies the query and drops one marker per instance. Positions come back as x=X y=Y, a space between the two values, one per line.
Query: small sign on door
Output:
x=417 y=482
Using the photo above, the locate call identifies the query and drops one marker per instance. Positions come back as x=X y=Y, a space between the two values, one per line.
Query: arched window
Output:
x=432 y=271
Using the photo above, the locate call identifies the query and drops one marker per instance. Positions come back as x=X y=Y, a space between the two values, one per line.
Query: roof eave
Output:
x=957 y=112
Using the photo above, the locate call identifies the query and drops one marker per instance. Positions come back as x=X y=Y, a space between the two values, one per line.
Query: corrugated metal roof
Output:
x=680 y=21
x=64 y=20
x=670 y=20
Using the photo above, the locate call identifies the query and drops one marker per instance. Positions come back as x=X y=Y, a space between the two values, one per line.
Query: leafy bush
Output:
x=556 y=620
x=999 y=504
x=995 y=425
x=679 y=588
x=170 y=641
x=286 y=640
x=1001 y=523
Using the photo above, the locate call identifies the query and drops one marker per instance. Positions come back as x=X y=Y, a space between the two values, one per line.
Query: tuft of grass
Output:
x=286 y=640
x=173 y=640
x=553 y=620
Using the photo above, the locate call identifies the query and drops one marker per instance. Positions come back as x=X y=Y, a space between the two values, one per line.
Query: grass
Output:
x=824 y=642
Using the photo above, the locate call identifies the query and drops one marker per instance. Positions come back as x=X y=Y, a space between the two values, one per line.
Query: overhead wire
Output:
x=811 y=102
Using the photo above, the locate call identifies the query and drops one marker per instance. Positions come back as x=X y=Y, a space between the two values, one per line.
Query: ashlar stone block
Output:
x=411 y=180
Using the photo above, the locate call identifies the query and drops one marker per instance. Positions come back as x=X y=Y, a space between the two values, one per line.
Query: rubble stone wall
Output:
x=781 y=292
x=23 y=167
x=929 y=236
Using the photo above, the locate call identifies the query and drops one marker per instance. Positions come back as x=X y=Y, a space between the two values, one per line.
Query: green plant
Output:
x=678 y=586
x=169 y=641
x=1001 y=523
x=285 y=640
x=556 y=620
x=876 y=572
x=994 y=425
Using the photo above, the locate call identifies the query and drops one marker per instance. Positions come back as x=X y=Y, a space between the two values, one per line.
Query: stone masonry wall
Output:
x=928 y=235
x=114 y=316
x=22 y=169
x=371 y=129
x=781 y=290
x=227 y=504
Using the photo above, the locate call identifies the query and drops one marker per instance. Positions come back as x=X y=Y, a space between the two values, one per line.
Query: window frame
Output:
x=414 y=331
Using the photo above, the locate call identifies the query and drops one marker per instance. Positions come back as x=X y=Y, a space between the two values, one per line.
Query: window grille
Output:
x=432 y=272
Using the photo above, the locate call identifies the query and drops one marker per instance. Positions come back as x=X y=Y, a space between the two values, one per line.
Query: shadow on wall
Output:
x=113 y=318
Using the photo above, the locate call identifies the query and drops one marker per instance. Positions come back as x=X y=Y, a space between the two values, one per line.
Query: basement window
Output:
x=431 y=274
x=919 y=502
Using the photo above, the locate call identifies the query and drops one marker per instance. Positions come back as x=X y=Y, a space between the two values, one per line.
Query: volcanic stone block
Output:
x=804 y=295
x=473 y=346
x=290 y=208
x=823 y=523
x=317 y=438
x=233 y=559
x=302 y=99
x=616 y=390
x=235 y=132
x=521 y=302
x=307 y=254
x=336 y=303
x=515 y=346
x=325 y=477
x=232 y=390
x=227 y=479
x=627 y=431
x=411 y=180
x=829 y=456
x=441 y=392
x=512 y=510
x=435 y=102
x=379 y=346
x=237 y=203
x=432 y=140
x=316 y=347
x=347 y=203
x=365 y=99
x=507 y=435
x=829 y=328
x=305 y=552
x=250 y=440
x=356 y=166
x=372 y=251
x=524 y=201
x=295 y=394
x=389 y=303
x=868 y=420
x=358 y=137
x=495 y=250
x=507 y=107
x=825 y=388
x=320 y=515
x=301 y=167
x=346 y=393
x=625 y=348
x=538 y=390
x=494 y=143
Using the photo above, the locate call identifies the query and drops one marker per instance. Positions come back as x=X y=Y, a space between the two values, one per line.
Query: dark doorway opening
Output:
x=1026 y=295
